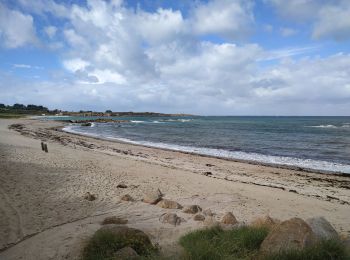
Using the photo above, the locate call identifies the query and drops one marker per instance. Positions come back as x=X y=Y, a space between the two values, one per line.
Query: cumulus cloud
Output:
x=330 y=18
x=333 y=22
x=231 y=19
x=16 y=28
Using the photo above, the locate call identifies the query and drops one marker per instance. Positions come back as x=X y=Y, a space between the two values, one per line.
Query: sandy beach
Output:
x=43 y=213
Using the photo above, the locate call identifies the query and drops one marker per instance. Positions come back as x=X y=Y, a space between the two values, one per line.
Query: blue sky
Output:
x=218 y=57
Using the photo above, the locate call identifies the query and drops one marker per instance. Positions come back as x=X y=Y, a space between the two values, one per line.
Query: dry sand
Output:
x=43 y=214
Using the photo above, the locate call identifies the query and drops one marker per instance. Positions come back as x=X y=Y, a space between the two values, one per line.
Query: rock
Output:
x=126 y=253
x=86 y=124
x=292 y=234
x=210 y=222
x=198 y=217
x=208 y=212
x=152 y=197
x=191 y=209
x=90 y=197
x=322 y=228
x=127 y=197
x=114 y=220
x=171 y=218
x=122 y=186
x=229 y=219
x=265 y=221
x=169 y=204
x=130 y=236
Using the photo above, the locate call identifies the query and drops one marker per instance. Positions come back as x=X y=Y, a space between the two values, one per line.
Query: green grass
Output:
x=328 y=249
x=104 y=244
x=10 y=115
x=215 y=243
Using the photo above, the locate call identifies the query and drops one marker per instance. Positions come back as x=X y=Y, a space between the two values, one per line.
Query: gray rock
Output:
x=322 y=228
x=210 y=222
x=90 y=197
x=191 y=209
x=198 y=217
x=229 y=219
x=127 y=197
x=208 y=212
x=114 y=220
x=169 y=204
x=171 y=218
x=153 y=197
x=292 y=234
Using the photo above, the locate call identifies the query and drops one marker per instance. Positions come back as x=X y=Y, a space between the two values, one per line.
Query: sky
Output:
x=215 y=57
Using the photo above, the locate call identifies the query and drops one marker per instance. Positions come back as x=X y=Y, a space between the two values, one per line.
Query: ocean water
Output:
x=318 y=143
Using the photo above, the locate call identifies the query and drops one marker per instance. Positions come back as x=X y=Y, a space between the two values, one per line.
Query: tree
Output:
x=2 y=105
x=19 y=106
x=109 y=111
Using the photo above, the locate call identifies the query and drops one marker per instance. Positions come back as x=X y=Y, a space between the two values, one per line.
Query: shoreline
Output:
x=253 y=162
x=42 y=194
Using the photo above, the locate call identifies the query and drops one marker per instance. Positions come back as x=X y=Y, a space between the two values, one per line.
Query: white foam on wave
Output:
x=255 y=157
x=323 y=126
x=346 y=125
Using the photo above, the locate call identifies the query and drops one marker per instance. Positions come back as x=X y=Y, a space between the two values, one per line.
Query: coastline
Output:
x=253 y=162
x=76 y=164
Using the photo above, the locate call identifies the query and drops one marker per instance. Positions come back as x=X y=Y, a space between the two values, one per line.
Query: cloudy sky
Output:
x=218 y=57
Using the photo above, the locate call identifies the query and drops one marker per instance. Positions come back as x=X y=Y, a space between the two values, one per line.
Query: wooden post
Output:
x=45 y=147
x=42 y=146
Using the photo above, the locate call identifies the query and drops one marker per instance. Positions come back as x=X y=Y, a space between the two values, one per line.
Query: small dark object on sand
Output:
x=122 y=186
x=45 y=148
x=42 y=146
x=90 y=197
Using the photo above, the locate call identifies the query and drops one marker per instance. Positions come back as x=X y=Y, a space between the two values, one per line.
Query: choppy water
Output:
x=320 y=143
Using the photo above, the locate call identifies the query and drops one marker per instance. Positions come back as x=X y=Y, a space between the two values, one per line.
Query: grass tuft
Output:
x=215 y=243
x=104 y=244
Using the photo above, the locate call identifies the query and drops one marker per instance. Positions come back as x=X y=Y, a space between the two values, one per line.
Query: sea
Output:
x=313 y=143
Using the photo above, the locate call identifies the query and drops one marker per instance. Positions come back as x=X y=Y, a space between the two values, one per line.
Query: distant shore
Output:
x=42 y=193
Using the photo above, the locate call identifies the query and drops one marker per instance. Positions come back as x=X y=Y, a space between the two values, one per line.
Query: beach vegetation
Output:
x=105 y=243
x=244 y=243
x=216 y=243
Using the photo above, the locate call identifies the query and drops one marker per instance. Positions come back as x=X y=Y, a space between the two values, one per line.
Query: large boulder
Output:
x=292 y=234
x=322 y=228
x=229 y=219
x=169 y=204
x=171 y=218
x=191 y=209
x=153 y=196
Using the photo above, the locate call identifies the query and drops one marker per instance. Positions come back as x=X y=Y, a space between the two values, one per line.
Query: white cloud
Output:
x=74 y=65
x=231 y=19
x=16 y=28
x=330 y=18
x=333 y=22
